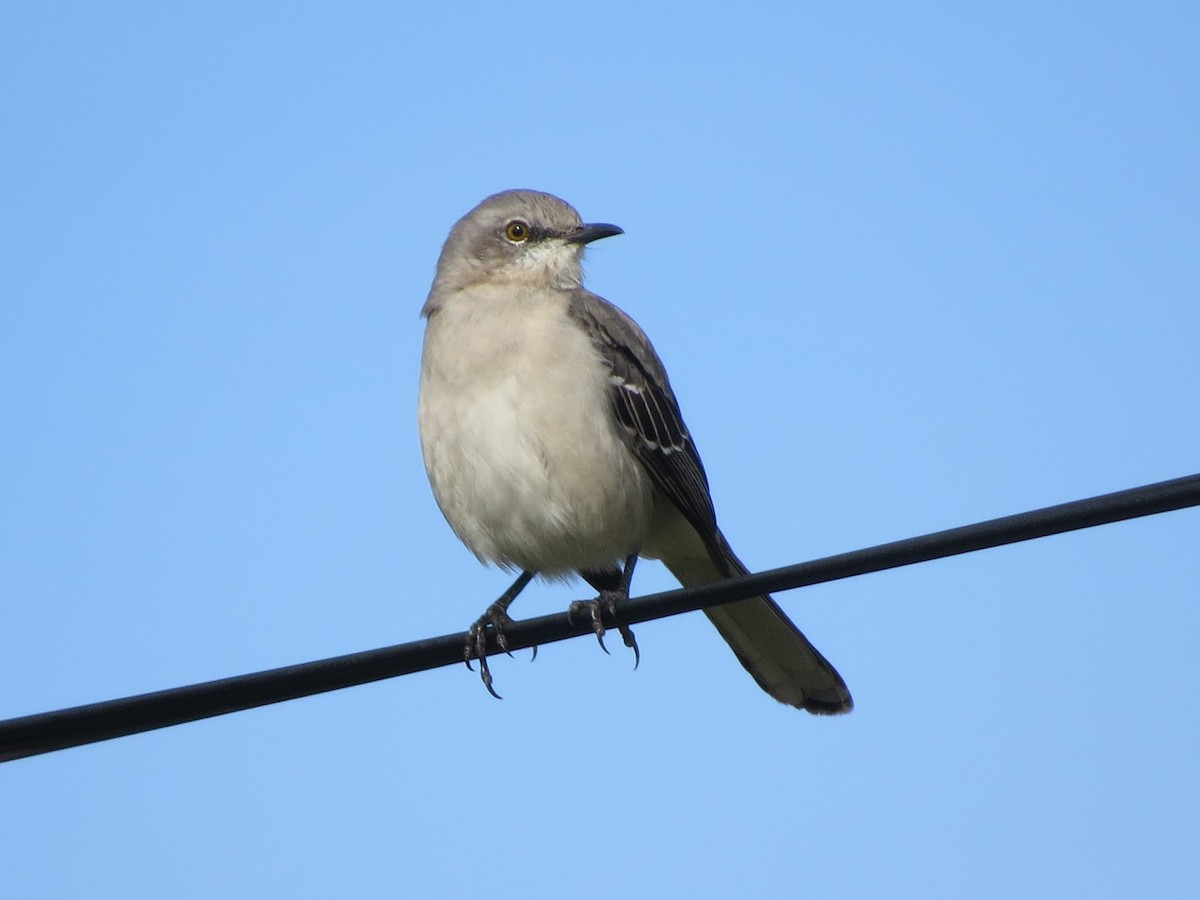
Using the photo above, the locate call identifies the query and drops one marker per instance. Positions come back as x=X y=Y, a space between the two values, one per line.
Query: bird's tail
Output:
x=765 y=641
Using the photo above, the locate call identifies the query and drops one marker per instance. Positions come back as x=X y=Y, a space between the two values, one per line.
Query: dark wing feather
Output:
x=772 y=649
x=647 y=410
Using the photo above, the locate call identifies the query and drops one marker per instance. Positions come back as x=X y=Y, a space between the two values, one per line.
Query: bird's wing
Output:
x=645 y=407
x=781 y=659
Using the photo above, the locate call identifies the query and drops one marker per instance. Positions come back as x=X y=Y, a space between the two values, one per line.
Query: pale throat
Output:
x=553 y=263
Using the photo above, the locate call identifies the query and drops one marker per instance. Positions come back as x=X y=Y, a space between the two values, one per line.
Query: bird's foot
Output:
x=607 y=602
x=498 y=618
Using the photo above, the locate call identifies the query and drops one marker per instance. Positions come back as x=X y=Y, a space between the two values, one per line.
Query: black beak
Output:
x=585 y=234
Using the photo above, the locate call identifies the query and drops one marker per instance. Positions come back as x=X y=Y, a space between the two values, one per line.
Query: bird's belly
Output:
x=532 y=474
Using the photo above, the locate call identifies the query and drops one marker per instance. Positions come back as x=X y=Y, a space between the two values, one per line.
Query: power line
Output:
x=58 y=730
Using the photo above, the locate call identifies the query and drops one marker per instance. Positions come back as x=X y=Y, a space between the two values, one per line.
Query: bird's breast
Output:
x=522 y=451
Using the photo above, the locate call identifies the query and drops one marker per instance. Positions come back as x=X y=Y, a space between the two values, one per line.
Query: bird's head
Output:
x=520 y=237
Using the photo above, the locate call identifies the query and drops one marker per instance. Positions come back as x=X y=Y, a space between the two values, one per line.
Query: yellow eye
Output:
x=516 y=231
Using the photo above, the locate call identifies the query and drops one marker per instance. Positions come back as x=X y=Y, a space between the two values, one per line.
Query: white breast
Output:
x=524 y=457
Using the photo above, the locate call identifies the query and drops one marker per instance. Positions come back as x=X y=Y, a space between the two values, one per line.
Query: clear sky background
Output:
x=910 y=266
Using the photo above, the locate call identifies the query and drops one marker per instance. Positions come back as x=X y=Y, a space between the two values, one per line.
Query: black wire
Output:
x=58 y=730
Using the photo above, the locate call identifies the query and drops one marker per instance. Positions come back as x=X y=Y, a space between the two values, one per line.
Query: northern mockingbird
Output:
x=554 y=443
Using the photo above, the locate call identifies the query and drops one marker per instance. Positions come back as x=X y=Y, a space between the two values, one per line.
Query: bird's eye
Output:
x=516 y=231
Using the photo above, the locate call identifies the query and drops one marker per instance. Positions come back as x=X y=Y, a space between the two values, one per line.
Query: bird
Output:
x=555 y=447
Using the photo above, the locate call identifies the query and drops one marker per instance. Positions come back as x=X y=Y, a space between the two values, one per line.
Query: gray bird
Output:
x=554 y=443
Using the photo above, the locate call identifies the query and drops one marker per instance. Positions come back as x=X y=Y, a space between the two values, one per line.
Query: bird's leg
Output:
x=497 y=616
x=614 y=588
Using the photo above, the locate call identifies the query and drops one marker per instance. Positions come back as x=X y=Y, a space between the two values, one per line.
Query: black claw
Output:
x=532 y=658
x=632 y=644
x=498 y=618
x=486 y=674
x=613 y=586
x=595 y=613
x=476 y=647
x=606 y=602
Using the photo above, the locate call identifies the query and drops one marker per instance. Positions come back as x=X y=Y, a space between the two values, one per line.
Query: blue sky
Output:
x=910 y=267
